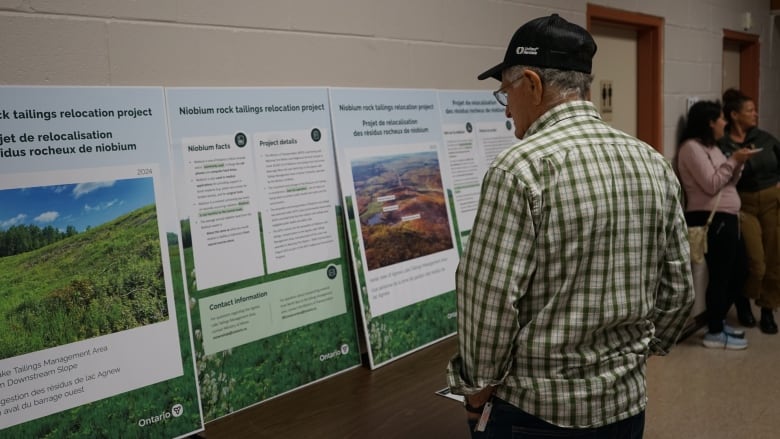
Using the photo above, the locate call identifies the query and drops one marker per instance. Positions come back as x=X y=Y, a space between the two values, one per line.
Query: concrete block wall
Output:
x=694 y=58
x=439 y=44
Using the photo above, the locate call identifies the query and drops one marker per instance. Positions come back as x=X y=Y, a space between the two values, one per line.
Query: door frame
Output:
x=749 y=61
x=649 y=63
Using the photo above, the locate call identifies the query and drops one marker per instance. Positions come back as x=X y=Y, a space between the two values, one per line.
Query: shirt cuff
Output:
x=457 y=383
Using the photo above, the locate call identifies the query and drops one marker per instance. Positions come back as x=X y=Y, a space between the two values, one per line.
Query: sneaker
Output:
x=733 y=332
x=722 y=340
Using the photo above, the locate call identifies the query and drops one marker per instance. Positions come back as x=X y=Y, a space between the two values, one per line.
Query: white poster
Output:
x=397 y=192
x=265 y=257
x=92 y=312
x=475 y=130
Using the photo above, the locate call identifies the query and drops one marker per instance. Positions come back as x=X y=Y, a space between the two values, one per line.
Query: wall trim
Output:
x=650 y=64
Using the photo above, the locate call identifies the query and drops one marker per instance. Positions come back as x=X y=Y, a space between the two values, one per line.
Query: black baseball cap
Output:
x=548 y=42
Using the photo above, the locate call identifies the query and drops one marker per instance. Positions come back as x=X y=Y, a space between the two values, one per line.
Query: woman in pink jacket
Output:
x=705 y=173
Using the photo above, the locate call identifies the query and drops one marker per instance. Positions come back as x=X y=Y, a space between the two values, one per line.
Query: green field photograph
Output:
x=401 y=206
x=117 y=417
x=78 y=261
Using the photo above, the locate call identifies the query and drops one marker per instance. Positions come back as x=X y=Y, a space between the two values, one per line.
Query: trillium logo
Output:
x=527 y=50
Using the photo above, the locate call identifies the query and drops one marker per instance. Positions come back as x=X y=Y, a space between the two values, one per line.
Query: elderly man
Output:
x=577 y=267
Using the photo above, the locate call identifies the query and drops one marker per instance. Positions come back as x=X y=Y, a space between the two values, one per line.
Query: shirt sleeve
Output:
x=676 y=294
x=494 y=272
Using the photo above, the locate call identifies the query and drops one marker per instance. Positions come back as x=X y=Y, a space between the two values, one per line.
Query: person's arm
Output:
x=495 y=271
x=675 y=295
x=737 y=174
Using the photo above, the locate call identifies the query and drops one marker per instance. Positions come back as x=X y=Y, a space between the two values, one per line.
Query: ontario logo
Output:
x=343 y=350
x=175 y=411
x=527 y=50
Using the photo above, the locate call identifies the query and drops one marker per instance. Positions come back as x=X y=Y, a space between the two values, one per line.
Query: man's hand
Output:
x=478 y=400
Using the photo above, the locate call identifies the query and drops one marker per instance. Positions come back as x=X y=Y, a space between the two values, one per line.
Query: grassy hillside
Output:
x=104 y=280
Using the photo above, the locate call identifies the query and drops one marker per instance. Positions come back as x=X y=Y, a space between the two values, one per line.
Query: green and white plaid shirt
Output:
x=576 y=270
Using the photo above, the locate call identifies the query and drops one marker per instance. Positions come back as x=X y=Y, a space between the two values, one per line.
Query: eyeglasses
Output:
x=501 y=94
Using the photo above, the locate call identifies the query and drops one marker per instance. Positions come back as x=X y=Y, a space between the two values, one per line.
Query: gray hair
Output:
x=567 y=83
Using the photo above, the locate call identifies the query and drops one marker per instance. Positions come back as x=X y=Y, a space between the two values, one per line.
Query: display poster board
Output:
x=264 y=248
x=94 y=338
x=402 y=227
x=475 y=130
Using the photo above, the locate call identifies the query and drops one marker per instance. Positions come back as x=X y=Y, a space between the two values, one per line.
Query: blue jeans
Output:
x=508 y=421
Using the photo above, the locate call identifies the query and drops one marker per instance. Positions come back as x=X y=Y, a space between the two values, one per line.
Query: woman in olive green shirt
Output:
x=759 y=190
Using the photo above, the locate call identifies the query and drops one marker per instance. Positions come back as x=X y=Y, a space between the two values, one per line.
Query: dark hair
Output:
x=698 y=124
x=733 y=100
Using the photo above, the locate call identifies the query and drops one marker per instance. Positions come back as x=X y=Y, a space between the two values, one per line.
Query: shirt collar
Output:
x=566 y=110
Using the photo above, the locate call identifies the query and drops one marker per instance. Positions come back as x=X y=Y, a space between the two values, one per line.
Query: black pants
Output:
x=726 y=264
x=509 y=422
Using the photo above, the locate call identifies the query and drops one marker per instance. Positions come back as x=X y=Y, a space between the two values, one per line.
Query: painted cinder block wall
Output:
x=439 y=44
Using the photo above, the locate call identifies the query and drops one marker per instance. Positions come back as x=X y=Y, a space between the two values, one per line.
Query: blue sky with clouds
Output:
x=79 y=205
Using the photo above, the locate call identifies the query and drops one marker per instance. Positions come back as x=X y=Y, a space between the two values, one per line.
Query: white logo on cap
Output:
x=527 y=50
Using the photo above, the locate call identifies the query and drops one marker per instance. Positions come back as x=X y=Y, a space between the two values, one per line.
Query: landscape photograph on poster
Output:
x=401 y=206
x=78 y=261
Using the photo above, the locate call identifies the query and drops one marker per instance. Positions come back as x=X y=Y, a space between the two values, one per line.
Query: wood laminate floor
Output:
x=695 y=392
